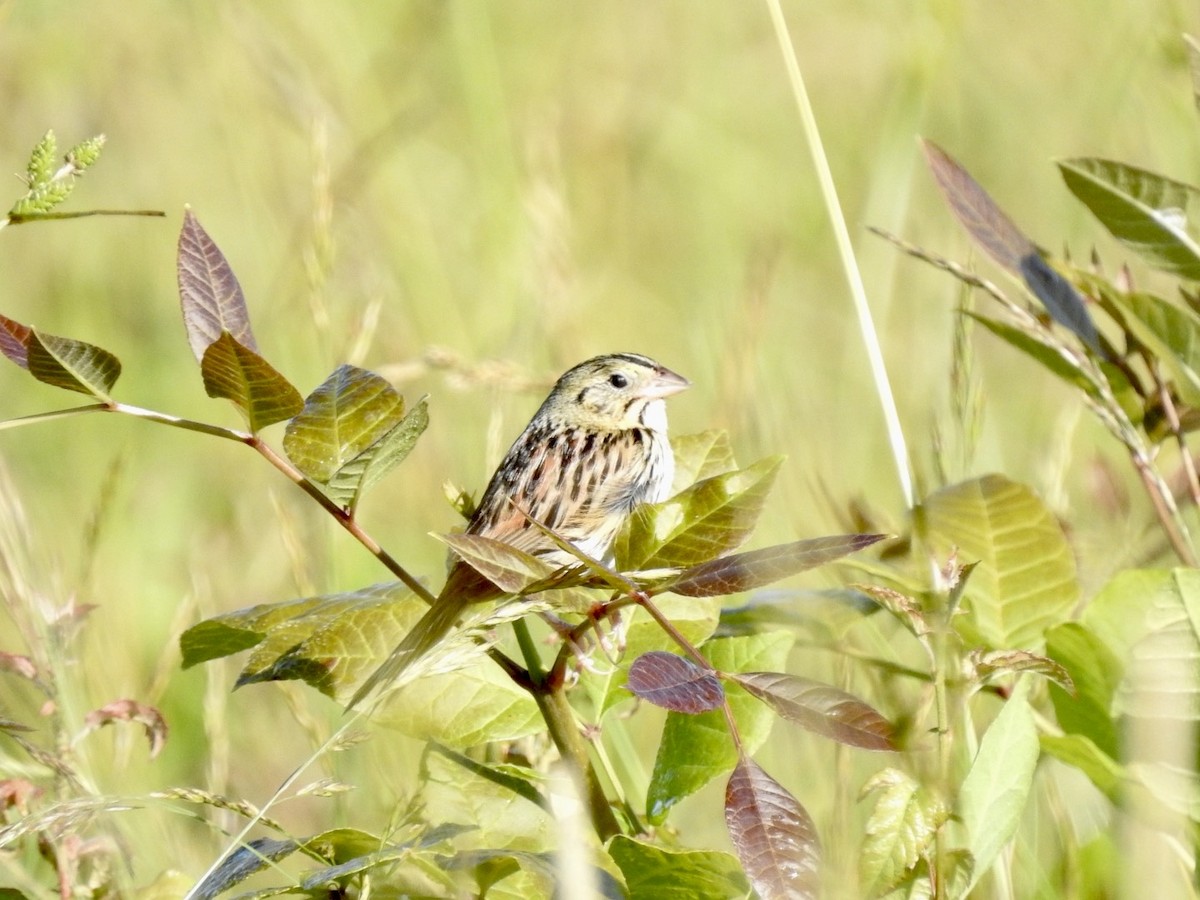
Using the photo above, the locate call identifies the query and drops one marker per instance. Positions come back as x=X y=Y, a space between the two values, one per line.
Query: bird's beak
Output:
x=666 y=383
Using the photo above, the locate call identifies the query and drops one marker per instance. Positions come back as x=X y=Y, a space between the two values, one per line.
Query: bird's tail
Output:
x=430 y=628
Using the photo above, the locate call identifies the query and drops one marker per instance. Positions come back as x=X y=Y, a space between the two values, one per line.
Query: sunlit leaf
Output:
x=1153 y=215
x=209 y=293
x=14 y=340
x=700 y=456
x=1025 y=580
x=772 y=834
x=1171 y=332
x=73 y=365
x=508 y=568
x=653 y=872
x=993 y=794
x=906 y=609
x=711 y=517
x=358 y=474
x=991 y=662
x=235 y=372
x=130 y=711
x=1079 y=751
x=1095 y=671
x=672 y=682
x=899 y=830
x=977 y=212
x=696 y=749
x=1043 y=354
x=350 y=411
x=820 y=708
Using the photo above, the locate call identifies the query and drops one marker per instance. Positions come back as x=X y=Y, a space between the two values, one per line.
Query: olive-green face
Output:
x=617 y=392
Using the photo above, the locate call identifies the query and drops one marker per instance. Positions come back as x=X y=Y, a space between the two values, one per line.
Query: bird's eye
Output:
x=617 y=380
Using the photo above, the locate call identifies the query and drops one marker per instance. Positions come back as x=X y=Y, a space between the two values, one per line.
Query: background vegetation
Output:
x=469 y=198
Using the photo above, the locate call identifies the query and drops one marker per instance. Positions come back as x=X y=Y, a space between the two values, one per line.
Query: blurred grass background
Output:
x=512 y=187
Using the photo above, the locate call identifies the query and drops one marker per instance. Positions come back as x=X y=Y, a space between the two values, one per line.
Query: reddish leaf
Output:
x=14 y=341
x=995 y=232
x=820 y=708
x=746 y=571
x=209 y=293
x=773 y=836
x=18 y=665
x=130 y=711
x=674 y=683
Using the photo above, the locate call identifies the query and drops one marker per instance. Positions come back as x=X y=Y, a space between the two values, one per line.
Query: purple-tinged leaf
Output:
x=674 y=683
x=209 y=292
x=235 y=372
x=72 y=365
x=14 y=341
x=747 y=571
x=977 y=212
x=772 y=834
x=902 y=606
x=820 y=708
x=130 y=711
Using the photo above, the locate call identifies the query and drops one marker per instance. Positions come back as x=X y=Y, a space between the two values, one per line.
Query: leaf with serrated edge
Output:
x=696 y=749
x=672 y=682
x=820 y=708
x=654 y=871
x=899 y=830
x=72 y=365
x=993 y=794
x=235 y=372
x=773 y=835
x=389 y=451
x=1026 y=579
x=747 y=571
x=346 y=414
x=712 y=517
x=14 y=340
x=209 y=293
x=977 y=212
x=1150 y=214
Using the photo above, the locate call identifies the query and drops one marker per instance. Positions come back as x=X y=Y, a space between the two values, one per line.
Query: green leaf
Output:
x=1007 y=662
x=994 y=793
x=1078 y=750
x=235 y=372
x=466 y=708
x=209 y=293
x=42 y=161
x=700 y=456
x=711 y=517
x=85 y=153
x=1150 y=214
x=350 y=411
x=73 y=365
x=1096 y=672
x=508 y=568
x=1025 y=580
x=697 y=748
x=1043 y=354
x=1172 y=334
x=899 y=830
x=653 y=872
x=350 y=481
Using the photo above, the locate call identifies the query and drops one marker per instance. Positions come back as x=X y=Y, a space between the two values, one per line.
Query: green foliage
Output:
x=50 y=185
